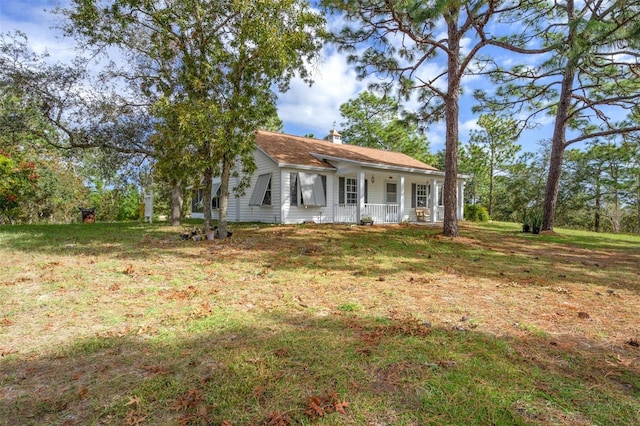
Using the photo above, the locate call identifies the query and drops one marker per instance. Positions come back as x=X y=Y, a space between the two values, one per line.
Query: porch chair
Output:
x=422 y=214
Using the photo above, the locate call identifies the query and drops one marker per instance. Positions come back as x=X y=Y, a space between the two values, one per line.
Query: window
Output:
x=266 y=201
x=293 y=189
x=308 y=190
x=351 y=190
x=392 y=192
x=439 y=189
x=215 y=196
x=197 y=198
x=348 y=191
x=196 y=201
x=261 y=195
x=419 y=195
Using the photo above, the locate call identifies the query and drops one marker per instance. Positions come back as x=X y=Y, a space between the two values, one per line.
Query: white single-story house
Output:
x=300 y=179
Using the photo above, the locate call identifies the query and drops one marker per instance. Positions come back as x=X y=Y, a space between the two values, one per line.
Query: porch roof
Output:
x=297 y=150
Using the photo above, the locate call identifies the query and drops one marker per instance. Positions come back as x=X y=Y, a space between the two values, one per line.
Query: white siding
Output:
x=377 y=189
x=296 y=214
x=266 y=214
x=281 y=210
x=410 y=212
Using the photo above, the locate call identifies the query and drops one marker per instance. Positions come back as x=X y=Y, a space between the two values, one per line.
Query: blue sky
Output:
x=303 y=109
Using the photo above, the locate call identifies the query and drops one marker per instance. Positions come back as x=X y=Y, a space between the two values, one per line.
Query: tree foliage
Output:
x=521 y=188
x=212 y=66
x=44 y=178
x=36 y=182
x=82 y=110
x=584 y=75
x=17 y=181
x=54 y=112
x=492 y=149
x=601 y=180
x=398 y=40
x=375 y=122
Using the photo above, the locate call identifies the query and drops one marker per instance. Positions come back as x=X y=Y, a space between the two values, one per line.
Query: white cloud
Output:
x=466 y=43
x=37 y=20
x=436 y=135
x=467 y=126
x=313 y=109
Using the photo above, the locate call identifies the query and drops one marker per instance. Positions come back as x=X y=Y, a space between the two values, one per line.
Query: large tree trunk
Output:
x=558 y=142
x=555 y=172
x=491 y=188
x=224 y=196
x=450 y=195
x=596 y=219
x=176 y=203
x=558 y=146
x=618 y=214
x=206 y=198
x=638 y=204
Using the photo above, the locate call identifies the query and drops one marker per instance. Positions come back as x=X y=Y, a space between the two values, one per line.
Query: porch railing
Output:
x=380 y=213
x=345 y=213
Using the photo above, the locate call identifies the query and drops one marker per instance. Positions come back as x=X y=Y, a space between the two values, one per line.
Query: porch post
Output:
x=284 y=195
x=361 y=211
x=400 y=198
x=433 y=200
x=336 y=197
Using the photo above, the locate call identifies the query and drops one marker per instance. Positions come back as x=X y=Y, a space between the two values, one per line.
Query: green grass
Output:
x=127 y=324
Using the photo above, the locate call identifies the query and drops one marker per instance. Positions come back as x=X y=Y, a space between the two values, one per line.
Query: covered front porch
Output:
x=386 y=197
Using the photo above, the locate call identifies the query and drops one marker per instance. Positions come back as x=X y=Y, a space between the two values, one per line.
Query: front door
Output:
x=391 y=199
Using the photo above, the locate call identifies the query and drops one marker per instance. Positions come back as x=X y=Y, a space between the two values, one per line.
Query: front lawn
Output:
x=125 y=323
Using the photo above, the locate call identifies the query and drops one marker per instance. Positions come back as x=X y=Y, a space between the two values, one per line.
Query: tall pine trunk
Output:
x=638 y=203
x=596 y=219
x=452 y=110
x=638 y=206
x=558 y=141
x=558 y=146
x=491 y=188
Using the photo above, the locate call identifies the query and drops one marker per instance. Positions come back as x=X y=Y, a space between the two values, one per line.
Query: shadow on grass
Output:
x=250 y=368
x=495 y=251
x=578 y=238
x=577 y=256
x=117 y=240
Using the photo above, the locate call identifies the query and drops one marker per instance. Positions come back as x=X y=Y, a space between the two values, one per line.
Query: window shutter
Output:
x=215 y=190
x=196 y=201
x=318 y=192
x=260 y=189
x=312 y=190
x=366 y=191
x=341 y=184
x=215 y=195
x=324 y=188
x=413 y=195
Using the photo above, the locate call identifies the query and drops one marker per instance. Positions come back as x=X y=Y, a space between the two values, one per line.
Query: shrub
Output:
x=535 y=218
x=476 y=213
